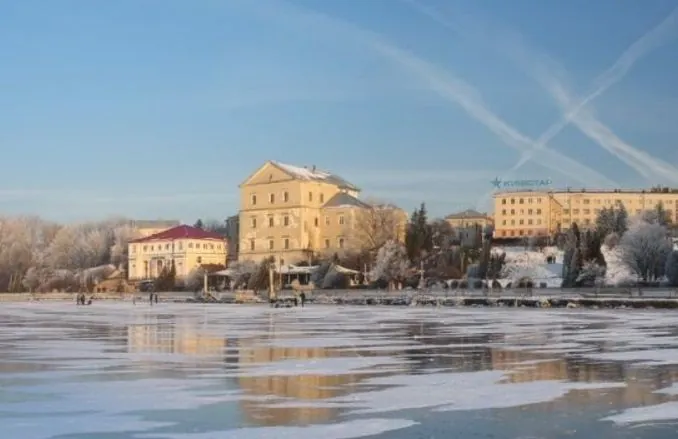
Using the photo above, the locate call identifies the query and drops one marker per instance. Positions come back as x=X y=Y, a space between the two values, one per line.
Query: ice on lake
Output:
x=175 y=371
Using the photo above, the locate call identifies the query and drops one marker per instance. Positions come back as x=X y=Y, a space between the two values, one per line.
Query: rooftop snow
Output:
x=314 y=174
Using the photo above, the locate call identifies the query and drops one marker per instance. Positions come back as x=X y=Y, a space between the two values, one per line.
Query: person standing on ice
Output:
x=302 y=297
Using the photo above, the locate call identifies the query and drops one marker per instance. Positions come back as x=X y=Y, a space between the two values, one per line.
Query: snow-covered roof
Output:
x=469 y=213
x=295 y=269
x=303 y=173
x=342 y=199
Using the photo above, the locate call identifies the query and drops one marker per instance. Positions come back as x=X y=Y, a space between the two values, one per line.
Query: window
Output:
x=286 y=243
x=538 y=221
x=167 y=246
x=286 y=197
x=152 y=248
x=271 y=223
x=513 y=201
x=190 y=245
x=529 y=222
x=529 y=201
x=513 y=211
x=503 y=201
x=327 y=243
x=513 y=222
x=587 y=211
x=503 y=211
x=575 y=211
x=503 y=222
x=211 y=246
x=134 y=248
x=204 y=246
x=271 y=198
x=253 y=199
x=145 y=248
x=181 y=246
x=529 y=211
x=271 y=244
x=341 y=242
x=341 y=220
x=253 y=222
x=198 y=259
x=538 y=211
x=322 y=198
x=315 y=221
x=310 y=196
x=327 y=220
x=587 y=201
x=286 y=220
x=521 y=201
x=522 y=222
x=252 y=244
x=282 y=261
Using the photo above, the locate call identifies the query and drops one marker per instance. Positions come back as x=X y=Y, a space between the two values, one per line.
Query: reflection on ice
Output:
x=197 y=372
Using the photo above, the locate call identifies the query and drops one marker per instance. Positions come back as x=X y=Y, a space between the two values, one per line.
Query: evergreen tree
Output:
x=419 y=236
x=621 y=220
x=199 y=224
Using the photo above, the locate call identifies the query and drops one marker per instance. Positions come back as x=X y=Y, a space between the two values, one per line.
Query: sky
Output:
x=155 y=109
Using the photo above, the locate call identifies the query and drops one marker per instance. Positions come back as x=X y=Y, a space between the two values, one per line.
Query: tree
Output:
x=199 y=224
x=392 y=264
x=377 y=224
x=418 y=238
x=672 y=268
x=658 y=215
x=645 y=250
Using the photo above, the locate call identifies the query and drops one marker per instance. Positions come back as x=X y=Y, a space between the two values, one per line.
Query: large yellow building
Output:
x=188 y=247
x=292 y=213
x=542 y=213
x=468 y=218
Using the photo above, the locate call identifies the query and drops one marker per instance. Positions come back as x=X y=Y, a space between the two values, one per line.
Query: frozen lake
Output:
x=181 y=371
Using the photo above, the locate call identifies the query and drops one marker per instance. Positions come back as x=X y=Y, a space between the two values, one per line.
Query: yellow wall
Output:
x=146 y=259
x=284 y=217
x=542 y=213
x=469 y=221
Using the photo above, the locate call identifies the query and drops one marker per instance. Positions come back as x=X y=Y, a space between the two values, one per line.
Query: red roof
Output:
x=181 y=232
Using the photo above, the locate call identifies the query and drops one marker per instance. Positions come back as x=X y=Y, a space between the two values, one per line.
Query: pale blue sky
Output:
x=160 y=108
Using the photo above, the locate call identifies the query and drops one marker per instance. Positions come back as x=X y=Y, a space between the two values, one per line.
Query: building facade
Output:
x=543 y=213
x=293 y=213
x=184 y=246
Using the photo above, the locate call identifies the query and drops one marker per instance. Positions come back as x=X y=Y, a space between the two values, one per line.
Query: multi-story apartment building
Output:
x=542 y=213
x=292 y=213
x=185 y=246
x=468 y=218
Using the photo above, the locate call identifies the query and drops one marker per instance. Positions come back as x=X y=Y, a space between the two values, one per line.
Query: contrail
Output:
x=511 y=46
x=642 y=162
x=444 y=84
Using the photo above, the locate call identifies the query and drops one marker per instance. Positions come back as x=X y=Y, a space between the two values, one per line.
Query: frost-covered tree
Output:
x=645 y=249
x=377 y=223
x=122 y=235
x=195 y=279
x=672 y=268
x=392 y=264
x=242 y=271
x=658 y=215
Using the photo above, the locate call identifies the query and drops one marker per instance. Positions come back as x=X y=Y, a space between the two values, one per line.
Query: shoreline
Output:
x=375 y=298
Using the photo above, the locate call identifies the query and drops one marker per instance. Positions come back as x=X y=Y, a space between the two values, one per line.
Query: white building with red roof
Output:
x=186 y=246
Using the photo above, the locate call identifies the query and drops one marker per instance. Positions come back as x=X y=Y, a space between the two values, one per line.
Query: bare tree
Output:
x=377 y=224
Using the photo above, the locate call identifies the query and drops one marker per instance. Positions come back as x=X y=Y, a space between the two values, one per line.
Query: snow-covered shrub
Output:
x=195 y=279
x=392 y=264
x=591 y=274
x=612 y=240
x=645 y=249
x=242 y=271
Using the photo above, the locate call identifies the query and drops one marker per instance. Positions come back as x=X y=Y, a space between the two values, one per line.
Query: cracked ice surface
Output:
x=197 y=372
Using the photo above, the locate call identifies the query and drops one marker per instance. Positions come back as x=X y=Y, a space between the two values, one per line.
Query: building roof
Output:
x=181 y=232
x=304 y=173
x=342 y=199
x=155 y=224
x=468 y=213
x=584 y=191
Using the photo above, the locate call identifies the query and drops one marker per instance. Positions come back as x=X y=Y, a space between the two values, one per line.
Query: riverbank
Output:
x=560 y=299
